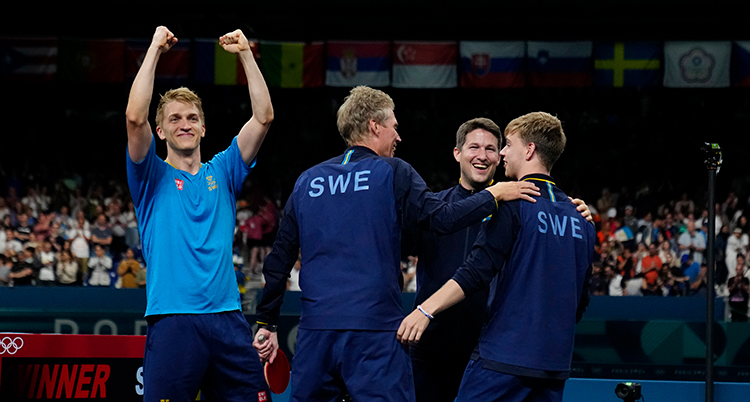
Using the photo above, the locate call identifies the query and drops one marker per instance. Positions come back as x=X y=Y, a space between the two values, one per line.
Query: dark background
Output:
x=616 y=137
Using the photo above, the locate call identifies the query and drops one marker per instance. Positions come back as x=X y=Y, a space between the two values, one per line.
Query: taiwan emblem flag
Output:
x=350 y=63
x=627 y=64
x=492 y=64
x=425 y=64
x=697 y=64
x=559 y=64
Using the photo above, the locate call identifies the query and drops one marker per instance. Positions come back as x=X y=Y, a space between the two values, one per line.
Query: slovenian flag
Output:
x=173 y=66
x=697 y=64
x=350 y=63
x=292 y=64
x=425 y=64
x=492 y=64
x=559 y=64
x=627 y=64
x=741 y=63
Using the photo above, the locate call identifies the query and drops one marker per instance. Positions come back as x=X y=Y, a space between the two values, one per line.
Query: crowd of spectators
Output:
x=70 y=237
x=84 y=232
x=87 y=235
x=664 y=252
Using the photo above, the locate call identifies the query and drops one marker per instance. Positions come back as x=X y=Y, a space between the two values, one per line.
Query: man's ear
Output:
x=530 y=150
x=160 y=133
x=456 y=153
x=374 y=127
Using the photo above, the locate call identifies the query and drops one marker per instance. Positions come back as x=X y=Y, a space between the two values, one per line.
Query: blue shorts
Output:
x=212 y=353
x=371 y=365
x=480 y=384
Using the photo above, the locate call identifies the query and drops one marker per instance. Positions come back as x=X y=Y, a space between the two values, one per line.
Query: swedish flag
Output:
x=627 y=64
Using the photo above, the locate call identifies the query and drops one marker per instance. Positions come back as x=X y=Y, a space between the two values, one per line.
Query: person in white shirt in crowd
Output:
x=48 y=258
x=737 y=244
x=100 y=266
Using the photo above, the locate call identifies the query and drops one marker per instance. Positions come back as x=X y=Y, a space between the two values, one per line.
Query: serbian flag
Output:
x=292 y=64
x=173 y=66
x=741 y=63
x=697 y=64
x=492 y=64
x=214 y=65
x=349 y=64
x=28 y=59
x=425 y=64
x=627 y=64
x=559 y=64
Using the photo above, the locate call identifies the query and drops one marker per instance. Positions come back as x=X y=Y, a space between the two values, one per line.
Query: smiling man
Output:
x=533 y=258
x=186 y=218
x=345 y=217
x=440 y=357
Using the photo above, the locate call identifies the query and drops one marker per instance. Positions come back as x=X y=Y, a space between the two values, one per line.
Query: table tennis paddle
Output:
x=276 y=373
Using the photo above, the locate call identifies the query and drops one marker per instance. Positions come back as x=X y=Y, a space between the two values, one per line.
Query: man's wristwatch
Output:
x=267 y=327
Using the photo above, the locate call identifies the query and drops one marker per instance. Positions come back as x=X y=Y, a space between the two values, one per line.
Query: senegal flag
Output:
x=292 y=64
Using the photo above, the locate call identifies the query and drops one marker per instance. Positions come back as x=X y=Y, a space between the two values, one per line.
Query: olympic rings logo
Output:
x=10 y=346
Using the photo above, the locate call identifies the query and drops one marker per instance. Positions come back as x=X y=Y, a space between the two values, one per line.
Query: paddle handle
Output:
x=261 y=338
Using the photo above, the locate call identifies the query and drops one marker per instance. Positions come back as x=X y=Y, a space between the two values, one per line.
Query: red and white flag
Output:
x=425 y=64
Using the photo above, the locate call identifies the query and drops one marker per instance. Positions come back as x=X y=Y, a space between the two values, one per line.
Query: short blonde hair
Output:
x=360 y=106
x=181 y=94
x=544 y=130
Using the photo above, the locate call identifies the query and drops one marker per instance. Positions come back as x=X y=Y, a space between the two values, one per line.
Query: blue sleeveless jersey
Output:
x=187 y=226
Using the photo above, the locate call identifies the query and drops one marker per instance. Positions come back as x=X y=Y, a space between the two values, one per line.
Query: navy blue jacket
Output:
x=456 y=330
x=541 y=253
x=345 y=218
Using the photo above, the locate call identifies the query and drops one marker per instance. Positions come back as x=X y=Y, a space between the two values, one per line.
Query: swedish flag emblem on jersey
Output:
x=627 y=64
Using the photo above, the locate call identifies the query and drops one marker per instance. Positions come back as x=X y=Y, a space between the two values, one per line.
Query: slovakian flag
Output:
x=627 y=64
x=493 y=64
x=92 y=60
x=697 y=64
x=425 y=64
x=173 y=66
x=292 y=64
x=28 y=59
x=349 y=63
x=214 y=65
x=559 y=64
x=741 y=63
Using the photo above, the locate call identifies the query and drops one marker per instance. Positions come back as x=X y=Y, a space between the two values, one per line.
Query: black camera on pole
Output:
x=628 y=391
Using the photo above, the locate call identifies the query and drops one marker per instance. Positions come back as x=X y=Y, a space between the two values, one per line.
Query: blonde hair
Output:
x=360 y=106
x=181 y=94
x=544 y=130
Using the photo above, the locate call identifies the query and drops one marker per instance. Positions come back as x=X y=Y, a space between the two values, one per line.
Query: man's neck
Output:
x=190 y=163
x=472 y=186
x=366 y=144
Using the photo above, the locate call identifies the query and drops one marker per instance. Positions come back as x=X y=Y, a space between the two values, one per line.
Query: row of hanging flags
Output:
x=400 y=64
